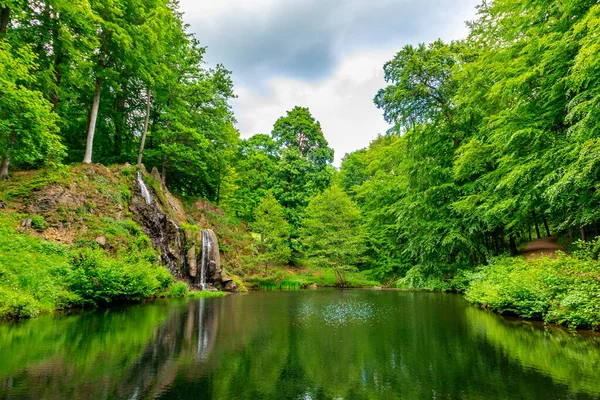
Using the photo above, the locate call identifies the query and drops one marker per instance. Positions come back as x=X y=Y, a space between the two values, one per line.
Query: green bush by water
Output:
x=37 y=276
x=178 y=289
x=565 y=290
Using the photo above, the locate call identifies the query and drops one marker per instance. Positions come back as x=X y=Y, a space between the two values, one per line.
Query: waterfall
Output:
x=206 y=251
x=145 y=192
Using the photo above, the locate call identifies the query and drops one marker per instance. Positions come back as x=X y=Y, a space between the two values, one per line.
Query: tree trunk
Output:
x=537 y=227
x=546 y=226
x=4 y=19
x=119 y=123
x=583 y=233
x=529 y=231
x=58 y=60
x=513 y=246
x=145 y=132
x=4 y=170
x=92 y=125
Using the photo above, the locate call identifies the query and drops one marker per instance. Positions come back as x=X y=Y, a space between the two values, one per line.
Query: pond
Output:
x=325 y=344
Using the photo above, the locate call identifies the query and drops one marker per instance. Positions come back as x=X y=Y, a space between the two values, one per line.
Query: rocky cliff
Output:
x=188 y=252
x=83 y=204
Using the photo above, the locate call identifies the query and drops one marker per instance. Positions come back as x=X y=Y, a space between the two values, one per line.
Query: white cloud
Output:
x=327 y=55
x=343 y=103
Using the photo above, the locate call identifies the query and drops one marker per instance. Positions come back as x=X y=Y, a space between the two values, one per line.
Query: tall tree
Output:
x=331 y=232
x=305 y=162
x=274 y=232
x=28 y=132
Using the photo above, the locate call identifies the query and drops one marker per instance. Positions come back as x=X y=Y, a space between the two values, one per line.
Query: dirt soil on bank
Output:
x=542 y=247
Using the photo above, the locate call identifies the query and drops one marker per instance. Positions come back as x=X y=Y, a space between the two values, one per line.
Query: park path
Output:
x=542 y=247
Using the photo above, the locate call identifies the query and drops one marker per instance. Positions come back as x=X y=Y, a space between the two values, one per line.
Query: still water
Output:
x=326 y=344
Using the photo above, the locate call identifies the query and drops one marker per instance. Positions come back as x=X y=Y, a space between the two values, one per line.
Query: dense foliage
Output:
x=495 y=139
x=127 y=73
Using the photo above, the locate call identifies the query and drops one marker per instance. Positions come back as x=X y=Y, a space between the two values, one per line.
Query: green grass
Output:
x=206 y=294
x=564 y=291
x=296 y=279
x=38 y=276
x=32 y=273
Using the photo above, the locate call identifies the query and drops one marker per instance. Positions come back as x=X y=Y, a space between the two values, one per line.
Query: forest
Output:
x=494 y=142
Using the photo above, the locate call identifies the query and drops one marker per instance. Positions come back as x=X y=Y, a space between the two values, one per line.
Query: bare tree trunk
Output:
x=119 y=124
x=145 y=132
x=4 y=19
x=513 y=246
x=57 y=50
x=537 y=227
x=4 y=170
x=583 y=237
x=92 y=125
x=546 y=226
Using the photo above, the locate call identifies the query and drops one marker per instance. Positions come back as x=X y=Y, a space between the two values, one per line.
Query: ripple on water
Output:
x=338 y=313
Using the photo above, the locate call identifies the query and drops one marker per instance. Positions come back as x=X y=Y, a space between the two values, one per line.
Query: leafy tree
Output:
x=255 y=167
x=331 y=232
x=305 y=158
x=28 y=132
x=274 y=232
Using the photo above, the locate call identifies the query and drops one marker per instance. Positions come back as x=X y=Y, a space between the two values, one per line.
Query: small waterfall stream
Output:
x=206 y=251
x=144 y=189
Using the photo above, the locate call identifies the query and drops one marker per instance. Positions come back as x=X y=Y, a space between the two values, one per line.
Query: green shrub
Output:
x=178 y=289
x=18 y=305
x=38 y=223
x=589 y=250
x=565 y=290
x=241 y=286
x=100 y=279
x=417 y=278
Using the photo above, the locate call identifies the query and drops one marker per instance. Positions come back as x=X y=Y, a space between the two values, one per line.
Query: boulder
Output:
x=230 y=286
x=101 y=240
x=26 y=224
x=155 y=174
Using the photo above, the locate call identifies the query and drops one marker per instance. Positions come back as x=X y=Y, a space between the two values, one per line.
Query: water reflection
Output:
x=309 y=345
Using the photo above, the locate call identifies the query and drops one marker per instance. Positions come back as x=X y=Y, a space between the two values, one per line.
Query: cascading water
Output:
x=145 y=192
x=206 y=251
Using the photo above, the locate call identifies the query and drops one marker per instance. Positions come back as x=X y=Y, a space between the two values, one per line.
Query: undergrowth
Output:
x=564 y=291
x=38 y=276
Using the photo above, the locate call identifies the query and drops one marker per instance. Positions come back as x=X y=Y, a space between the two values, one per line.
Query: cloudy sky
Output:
x=327 y=55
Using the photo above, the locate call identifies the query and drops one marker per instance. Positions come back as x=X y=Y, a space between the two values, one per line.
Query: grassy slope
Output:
x=57 y=262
